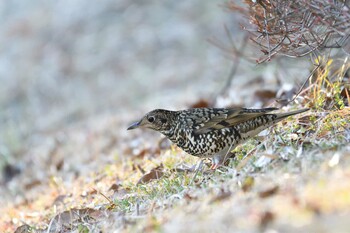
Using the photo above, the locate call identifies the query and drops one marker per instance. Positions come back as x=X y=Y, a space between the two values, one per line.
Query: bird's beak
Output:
x=135 y=125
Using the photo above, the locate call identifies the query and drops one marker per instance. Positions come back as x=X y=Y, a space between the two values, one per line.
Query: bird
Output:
x=211 y=132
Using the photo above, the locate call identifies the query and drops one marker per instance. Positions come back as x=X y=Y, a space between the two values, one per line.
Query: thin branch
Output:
x=307 y=24
x=285 y=101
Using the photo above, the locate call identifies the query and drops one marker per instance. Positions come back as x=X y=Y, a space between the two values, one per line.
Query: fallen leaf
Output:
x=140 y=153
x=221 y=196
x=269 y=192
x=202 y=103
x=247 y=184
x=60 y=199
x=70 y=219
x=154 y=174
x=93 y=192
x=32 y=184
x=114 y=187
x=265 y=95
x=265 y=219
x=23 y=229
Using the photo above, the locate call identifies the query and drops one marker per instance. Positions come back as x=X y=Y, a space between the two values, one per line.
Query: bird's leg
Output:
x=217 y=161
x=220 y=158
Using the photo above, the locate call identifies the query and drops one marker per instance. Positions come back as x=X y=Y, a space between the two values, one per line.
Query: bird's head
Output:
x=158 y=120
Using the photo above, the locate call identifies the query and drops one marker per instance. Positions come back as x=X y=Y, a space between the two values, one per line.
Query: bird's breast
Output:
x=206 y=144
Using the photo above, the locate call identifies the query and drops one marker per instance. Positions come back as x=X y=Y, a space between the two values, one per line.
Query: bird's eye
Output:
x=150 y=119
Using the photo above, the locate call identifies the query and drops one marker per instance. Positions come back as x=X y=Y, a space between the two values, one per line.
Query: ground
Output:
x=76 y=75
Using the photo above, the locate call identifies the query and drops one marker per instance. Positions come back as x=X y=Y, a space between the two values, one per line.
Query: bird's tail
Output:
x=272 y=118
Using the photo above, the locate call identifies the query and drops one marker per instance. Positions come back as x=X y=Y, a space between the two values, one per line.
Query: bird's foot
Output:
x=214 y=166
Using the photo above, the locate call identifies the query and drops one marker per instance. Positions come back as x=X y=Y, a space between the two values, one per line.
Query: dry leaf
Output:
x=60 y=199
x=247 y=183
x=154 y=174
x=71 y=219
x=114 y=187
x=23 y=229
x=32 y=184
x=266 y=218
x=202 y=103
x=265 y=95
x=222 y=196
x=140 y=153
x=269 y=192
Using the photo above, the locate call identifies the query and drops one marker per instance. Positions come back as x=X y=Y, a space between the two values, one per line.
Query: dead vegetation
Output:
x=293 y=177
x=296 y=28
x=286 y=180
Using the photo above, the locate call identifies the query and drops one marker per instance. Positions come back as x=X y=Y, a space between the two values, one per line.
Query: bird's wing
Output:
x=205 y=120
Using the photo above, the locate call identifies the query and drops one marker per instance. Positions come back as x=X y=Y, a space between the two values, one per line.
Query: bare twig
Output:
x=285 y=101
x=238 y=55
x=296 y=28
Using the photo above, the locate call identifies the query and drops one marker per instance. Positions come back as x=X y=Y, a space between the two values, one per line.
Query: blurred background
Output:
x=65 y=61
x=72 y=69
x=74 y=74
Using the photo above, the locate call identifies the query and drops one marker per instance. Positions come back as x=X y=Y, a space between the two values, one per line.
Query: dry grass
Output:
x=295 y=179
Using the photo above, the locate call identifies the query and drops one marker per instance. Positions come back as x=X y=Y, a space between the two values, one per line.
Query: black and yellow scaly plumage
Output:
x=211 y=132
